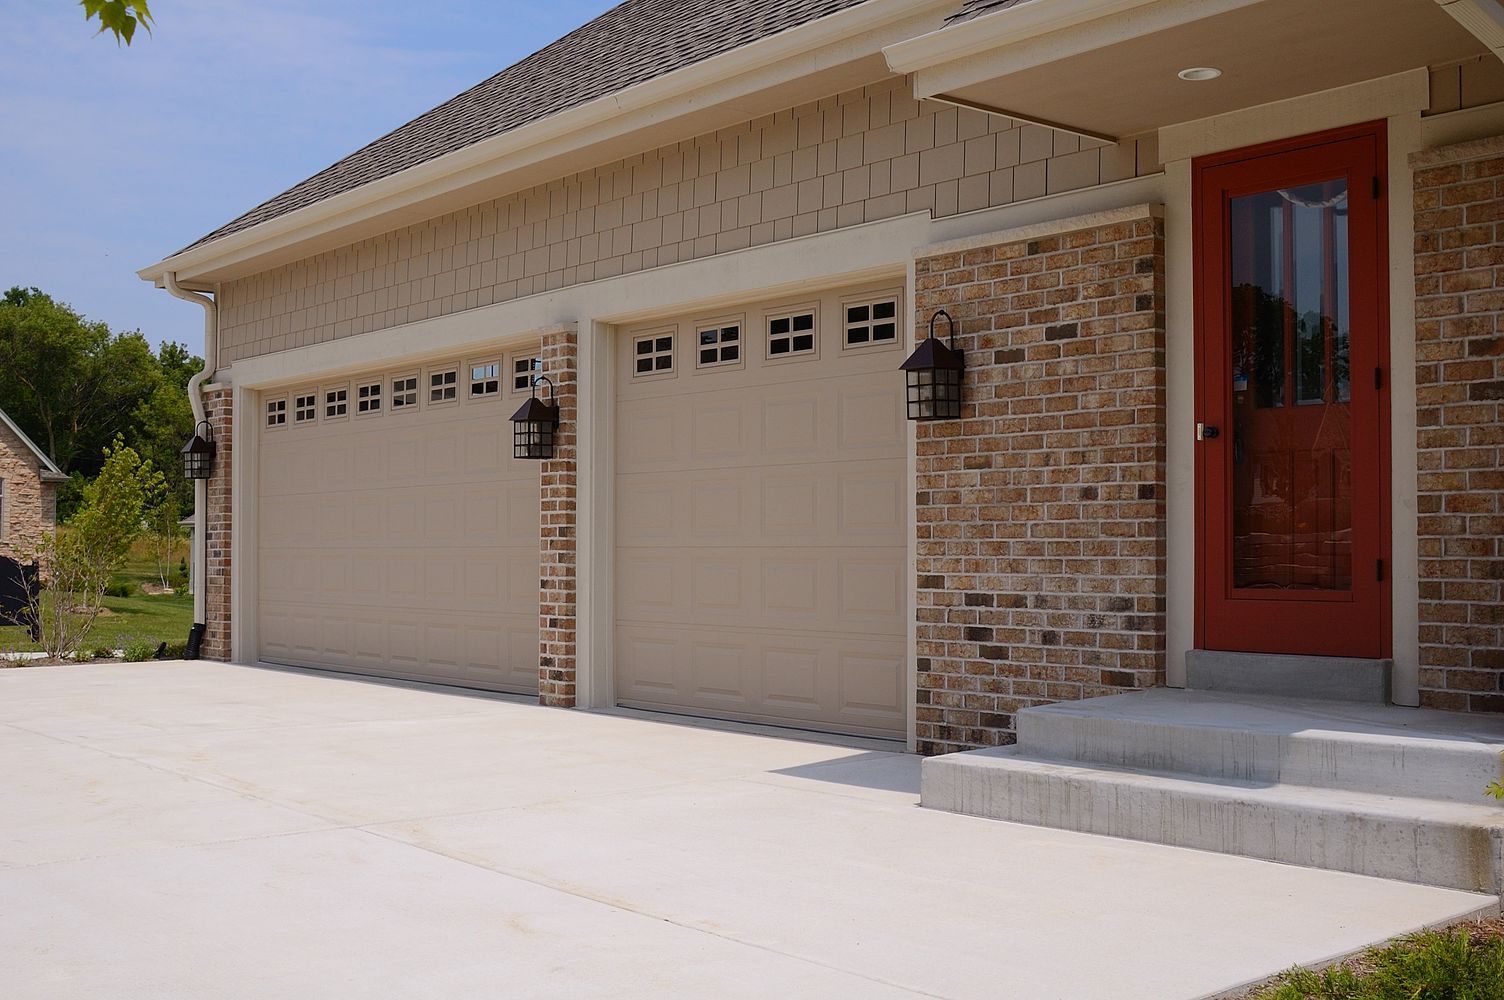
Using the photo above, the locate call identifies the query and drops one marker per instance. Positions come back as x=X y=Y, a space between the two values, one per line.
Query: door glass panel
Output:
x=1291 y=386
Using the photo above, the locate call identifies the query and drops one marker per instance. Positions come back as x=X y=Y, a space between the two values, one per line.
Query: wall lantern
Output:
x=534 y=425
x=934 y=375
x=198 y=453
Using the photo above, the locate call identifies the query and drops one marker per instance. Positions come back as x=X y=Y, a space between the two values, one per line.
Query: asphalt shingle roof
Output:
x=978 y=8
x=629 y=44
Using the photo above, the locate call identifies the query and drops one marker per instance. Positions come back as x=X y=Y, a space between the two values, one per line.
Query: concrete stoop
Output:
x=1371 y=789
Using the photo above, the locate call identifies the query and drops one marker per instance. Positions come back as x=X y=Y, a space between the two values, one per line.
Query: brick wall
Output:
x=1459 y=287
x=557 y=590
x=1041 y=513
x=28 y=507
x=857 y=157
x=219 y=408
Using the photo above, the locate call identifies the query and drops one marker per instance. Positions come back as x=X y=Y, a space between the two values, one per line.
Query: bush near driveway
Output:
x=1462 y=963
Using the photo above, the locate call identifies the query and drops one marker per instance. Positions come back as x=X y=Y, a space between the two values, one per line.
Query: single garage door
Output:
x=396 y=534
x=760 y=518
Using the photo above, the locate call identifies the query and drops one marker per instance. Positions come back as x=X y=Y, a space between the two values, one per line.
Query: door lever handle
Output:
x=1206 y=432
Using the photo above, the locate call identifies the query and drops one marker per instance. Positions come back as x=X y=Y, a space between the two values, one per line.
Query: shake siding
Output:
x=856 y=157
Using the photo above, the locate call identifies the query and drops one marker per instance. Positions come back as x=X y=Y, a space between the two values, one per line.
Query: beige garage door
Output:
x=760 y=516
x=396 y=534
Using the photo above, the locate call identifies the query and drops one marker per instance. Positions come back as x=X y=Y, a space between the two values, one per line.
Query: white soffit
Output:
x=1483 y=18
x=1117 y=75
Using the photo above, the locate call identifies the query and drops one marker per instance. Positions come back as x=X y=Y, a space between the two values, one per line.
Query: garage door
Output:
x=760 y=517
x=397 y=536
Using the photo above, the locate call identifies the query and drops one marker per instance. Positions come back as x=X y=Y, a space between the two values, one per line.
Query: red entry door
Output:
x=1292 y=443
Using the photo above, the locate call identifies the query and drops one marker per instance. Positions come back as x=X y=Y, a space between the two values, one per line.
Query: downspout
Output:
x=196 y=400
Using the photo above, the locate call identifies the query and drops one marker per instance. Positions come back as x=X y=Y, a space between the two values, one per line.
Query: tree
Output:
x=119 y=17
x=71 y=384
x=163 y=420
x=165 y=532
x=78 y=561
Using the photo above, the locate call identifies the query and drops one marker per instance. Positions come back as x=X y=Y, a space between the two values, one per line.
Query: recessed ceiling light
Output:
x=1198 y=73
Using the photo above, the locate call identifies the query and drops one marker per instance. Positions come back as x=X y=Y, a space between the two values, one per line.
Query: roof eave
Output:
x=605 y=117
x=49 y=470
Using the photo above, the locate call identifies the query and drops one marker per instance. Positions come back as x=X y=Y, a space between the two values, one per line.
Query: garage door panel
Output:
x=761 y=529
x=403 y=543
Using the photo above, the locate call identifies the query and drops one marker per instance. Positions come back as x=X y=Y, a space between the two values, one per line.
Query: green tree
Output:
x=163 y=420
x=119 y=17
x=79 y=559
x=71 y=384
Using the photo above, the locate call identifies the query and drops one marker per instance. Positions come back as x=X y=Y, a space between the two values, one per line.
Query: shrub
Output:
x=178 y=582
x=104 y=653
x=120 y=588
x=139 y=650
x=83 y=656
x=176 y=650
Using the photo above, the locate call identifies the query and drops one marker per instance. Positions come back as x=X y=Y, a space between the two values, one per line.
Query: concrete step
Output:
x=1378 y=749
x=1447 y=844
x=1282 y=675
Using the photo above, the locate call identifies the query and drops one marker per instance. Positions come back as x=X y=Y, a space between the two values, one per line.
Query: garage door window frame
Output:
x=443 y=386
x=369 y=398
x=484 y=378
x=405 y=390
x=335 y=400
x=794 y=335
x=869 y=301
x=655 y=353
x=727 y=354
x=522 y=368
x=275 y=408
x=305 y=405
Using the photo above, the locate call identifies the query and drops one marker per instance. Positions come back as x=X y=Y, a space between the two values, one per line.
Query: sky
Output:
x=114 y=157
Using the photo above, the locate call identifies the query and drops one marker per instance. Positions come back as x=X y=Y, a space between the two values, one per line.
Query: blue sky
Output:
x=112 y=158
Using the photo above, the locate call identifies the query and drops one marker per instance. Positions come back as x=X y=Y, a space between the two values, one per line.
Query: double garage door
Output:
x=759 y=510
x=760 y=515
x=397 y=536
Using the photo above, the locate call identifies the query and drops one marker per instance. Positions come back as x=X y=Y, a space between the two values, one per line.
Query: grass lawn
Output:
x=1463 y=963
x=155 y=618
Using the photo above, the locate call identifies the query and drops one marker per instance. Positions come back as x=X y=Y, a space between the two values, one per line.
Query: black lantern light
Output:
x=534 y=425
x=198 y=453
x=934 y=373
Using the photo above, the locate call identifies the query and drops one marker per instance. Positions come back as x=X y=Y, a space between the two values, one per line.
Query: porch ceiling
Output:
x=1117 y=76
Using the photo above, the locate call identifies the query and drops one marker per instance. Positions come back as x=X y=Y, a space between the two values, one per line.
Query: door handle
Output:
x=1206 y=432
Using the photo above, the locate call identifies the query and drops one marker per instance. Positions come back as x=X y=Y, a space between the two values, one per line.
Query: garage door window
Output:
x=336 y=402
x=443 y=386
x=276 y=412
x=719 y=344
x=404 y=392
x=523 y=369
x=305 y=408
x=653 y=355
x=485 y=379
x=791 y=334
x=368 y=398
x=872 y=323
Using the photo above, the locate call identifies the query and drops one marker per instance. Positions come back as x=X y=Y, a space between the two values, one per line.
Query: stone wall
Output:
x=1459 y=288
x=28 y=506
x=857 y=157
x=1041 y=513
x=557 y=568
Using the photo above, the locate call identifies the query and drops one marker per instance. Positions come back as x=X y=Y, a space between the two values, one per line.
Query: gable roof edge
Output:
x=50 y=471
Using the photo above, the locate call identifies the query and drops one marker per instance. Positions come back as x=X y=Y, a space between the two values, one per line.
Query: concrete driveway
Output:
x=197 y=830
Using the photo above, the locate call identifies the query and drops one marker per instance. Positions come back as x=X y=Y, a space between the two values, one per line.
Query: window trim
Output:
x=324 y=404
x=533 y=372
x=638 y=336
x=719 y=323
x=500 y=379
x=900 y=332
x=770 y=316
x=267 y=402
x=318 y=400
x=446 y=369
x=391 y=387
x=380 y=383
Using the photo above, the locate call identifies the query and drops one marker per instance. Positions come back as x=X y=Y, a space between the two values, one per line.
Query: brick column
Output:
x=219 y=408
x=1459 y=354
x=1041 y=513
x=556 y=561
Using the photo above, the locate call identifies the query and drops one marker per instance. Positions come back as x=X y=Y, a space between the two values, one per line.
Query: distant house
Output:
x=28 y=491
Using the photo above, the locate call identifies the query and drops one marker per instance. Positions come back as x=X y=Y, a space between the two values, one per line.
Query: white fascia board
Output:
x=820 y=44
x=1484 y=19
x=1037 y=34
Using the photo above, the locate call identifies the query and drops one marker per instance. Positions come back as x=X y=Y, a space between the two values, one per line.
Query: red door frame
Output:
x=1305 y=623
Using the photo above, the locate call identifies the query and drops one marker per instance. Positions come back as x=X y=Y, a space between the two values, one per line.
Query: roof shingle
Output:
x=631 y=43
x=978 y=8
